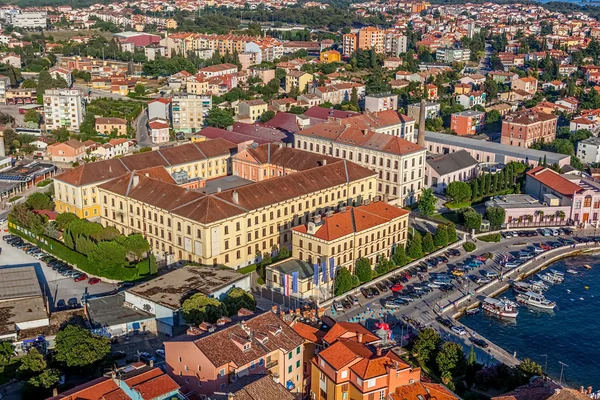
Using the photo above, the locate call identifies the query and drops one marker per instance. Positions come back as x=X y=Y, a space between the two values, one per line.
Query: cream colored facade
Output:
x=297 y=79
x=345 y=250
x=186 y=113
x=231 y=241
x=400 y=176
x=196 y=85
x=252 y=109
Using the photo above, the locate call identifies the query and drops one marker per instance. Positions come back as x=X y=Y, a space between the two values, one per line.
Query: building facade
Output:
x=63 y=108
x=107 y=126
x=524 y=128
x=467 y=122
x=187 y=113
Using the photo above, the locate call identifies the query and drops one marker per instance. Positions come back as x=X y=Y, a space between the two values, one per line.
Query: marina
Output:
x=550 y=319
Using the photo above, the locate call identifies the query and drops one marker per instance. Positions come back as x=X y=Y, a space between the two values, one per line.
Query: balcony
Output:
x=272 y=364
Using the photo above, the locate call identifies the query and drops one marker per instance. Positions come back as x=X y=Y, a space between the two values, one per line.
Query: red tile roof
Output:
x=344 y=352
x=554 y=181
x=349 y=331
x=156 y=387
x=423 y=391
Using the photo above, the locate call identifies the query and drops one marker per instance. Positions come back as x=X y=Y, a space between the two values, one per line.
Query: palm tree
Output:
x=560 y=215
x=540 y=215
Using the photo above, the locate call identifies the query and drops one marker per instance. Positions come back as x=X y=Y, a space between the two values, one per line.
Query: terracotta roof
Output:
x=528 y=117
x=219 y=348
x=324 y=113
x=158 y=125
x=160 y=385
x=308 y=332
x=218 y=68
x=105 y=170
x=161 y=100
x=73 y=143
x=233 y=137
x=355 y=219
x=339 y=131
x=287 y=158
x=378 y=365
x=554 y=181
x=111 y=121
x=93 y=390
x=349 y=331
x=255 y=387
x=344 y=352
x=423 y=391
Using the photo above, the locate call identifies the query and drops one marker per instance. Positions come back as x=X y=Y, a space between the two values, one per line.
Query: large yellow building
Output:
x=330 y=56
x=76 y=190
x=231 y=226
x=297 y=79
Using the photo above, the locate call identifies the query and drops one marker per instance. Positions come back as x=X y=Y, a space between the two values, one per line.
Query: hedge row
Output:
x=59 y=250
x=492 y=237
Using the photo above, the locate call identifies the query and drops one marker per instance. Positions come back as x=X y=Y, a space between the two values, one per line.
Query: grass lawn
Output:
x=247 y=270
x=44 y=183
x=451 y=216
x=453 y=206
x=10 y=371
x=411 y=207
x=67 y=34
x=15 y=198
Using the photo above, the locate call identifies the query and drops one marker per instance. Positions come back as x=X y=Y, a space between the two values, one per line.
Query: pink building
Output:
x=158 y=130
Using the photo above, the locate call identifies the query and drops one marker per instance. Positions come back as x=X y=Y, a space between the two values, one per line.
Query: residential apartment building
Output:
x=28 y=20
x=338 y=92
x=527 y=84
x=4 y=86
x=63 y=108
x=107 y=126
x=472 y=99
x=159 y=108
x=467 y=122
x=432 y=110
x=76 y=190
x=251 y=110
x=371 y=37
x=588 y=150
x=369 y=231
x=187 y=112
x=158 y=130
x=381 y=102
x=399 y=163
x=211 y=357
x=395 y=43
x=70 y=151
x=349 y=44
x=196 y=84
x=218 y=70
x=525 y=127
x=451 y=55
x=63 y=73
x=299 y=80
x=231 y=226
x=330 y=56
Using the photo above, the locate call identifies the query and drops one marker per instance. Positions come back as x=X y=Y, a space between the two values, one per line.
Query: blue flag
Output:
x=316 y=274
x=324 y=271
x=331 y=268
x=295 y=282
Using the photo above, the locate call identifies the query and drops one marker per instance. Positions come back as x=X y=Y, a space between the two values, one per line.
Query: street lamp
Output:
x=545 y=364
x=562 y=367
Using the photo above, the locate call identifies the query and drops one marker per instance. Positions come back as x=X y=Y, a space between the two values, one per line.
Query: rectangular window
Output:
x=290 y=355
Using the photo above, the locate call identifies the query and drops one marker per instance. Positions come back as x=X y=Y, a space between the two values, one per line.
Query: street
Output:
x=13 y=111
x=141 y=128
x=52 y=283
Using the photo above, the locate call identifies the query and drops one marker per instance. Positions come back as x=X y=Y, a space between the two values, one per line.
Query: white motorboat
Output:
x=557 y=273
x=549 y=278
x=541 y=285
x=572 y=271
x=506 y=300
x=498 y=307
x=536 y=300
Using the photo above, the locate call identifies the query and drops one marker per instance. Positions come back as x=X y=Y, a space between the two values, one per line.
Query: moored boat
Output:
x=557 y=273
x=498 y=307
x=572 y=271
x=541 y=285
x=587 y=266
x=535 y=300
x=522 y=287
x=472 y=311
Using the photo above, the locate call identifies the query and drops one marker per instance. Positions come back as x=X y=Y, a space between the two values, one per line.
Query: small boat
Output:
x=541 y=285
x=557 y=273
x=587 y=266
x=536 y=300
x=549 y=278
x=572 y=271
x=472 y=311
x=498 y=307
x=506 y=300
x=522 y=287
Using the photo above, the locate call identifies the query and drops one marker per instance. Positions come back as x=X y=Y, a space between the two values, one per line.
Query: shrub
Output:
x=492 y=237
x=469 y=247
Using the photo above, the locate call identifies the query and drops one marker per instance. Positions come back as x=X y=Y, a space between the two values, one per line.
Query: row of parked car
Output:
x=59 y=266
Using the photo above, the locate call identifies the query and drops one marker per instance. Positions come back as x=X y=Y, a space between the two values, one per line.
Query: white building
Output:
x=66 y=74
x=444 y=169
x=187 y=112
x=63 y=108
x=588 y=150
x=4 y=86
x=450 y=55
x=159 y=108
x=395 y=43
x=28 y=20
x=381 y=102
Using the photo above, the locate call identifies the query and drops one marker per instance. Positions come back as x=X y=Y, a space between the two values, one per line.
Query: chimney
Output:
x=589 y=390
x=151 y=363
x=109 y=168
x=136 y=180
x=359 y=337
x=324 y=162
x=274 y=309
x=230 y=396
x=365 y=131
x=581 y=389
x=421 y=136
x=235 y=197
x=218 y=190
x=276 y=377
x=378 y=351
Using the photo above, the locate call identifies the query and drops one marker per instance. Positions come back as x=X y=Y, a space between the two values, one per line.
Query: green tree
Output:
x=199 y=308
x=32 y=116
x=474 y=187
x=472 y=358
x=267 y=116
x=459 y=191
x=496 y=216
x=78 y=347
x=29 y=84
x=238 y=298
x=383 y=266
x=219 y=118
x=354 y=98
x=440 y=238
x=426 y=344
x=428 y=245
x=6 y=353
x=48 y=379
x=40 y=201
x=451 y=232
x=492 y=117
x=472 y=218
x=363 y=270
x=137 y=245
x=399 y=257
x=140 y=90
x=45 y=82
x=343 y=281
x=414 y=248
x=427 y=202
x=451 y=358
x=110 y=255
x=32 y=364
x=530 y=368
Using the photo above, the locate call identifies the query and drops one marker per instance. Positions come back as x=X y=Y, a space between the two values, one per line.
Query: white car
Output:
x=338 y=306
x=458 y=330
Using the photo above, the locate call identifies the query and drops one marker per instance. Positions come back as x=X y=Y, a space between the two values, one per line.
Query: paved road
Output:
x=141 y=128
x=55 y=285
x=13 y=110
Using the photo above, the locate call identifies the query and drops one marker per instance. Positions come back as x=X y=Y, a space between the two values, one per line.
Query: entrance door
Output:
x=586 y=216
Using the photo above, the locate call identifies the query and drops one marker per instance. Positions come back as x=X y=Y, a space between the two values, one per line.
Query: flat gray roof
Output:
x=18 y=283
x=514 y=201
x=304 y=269
x=109 y=311
x=172 y=288
x=21 y=310
x=498 y=148
x=225 y=183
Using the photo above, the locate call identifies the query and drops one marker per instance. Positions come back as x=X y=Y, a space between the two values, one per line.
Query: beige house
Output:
x=229 y=227
x=196 y=84
x=251 y=110
x=107 y=126
x=67 y=152
x=298 y=80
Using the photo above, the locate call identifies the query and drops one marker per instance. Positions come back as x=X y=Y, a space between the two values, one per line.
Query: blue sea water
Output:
x=570 y=334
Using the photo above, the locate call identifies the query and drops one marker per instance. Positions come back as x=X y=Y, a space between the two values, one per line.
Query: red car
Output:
x=93 y=281
x=397 y=287
x=80 y=278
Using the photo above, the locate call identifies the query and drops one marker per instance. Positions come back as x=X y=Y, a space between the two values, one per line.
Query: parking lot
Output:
x=54 y=285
